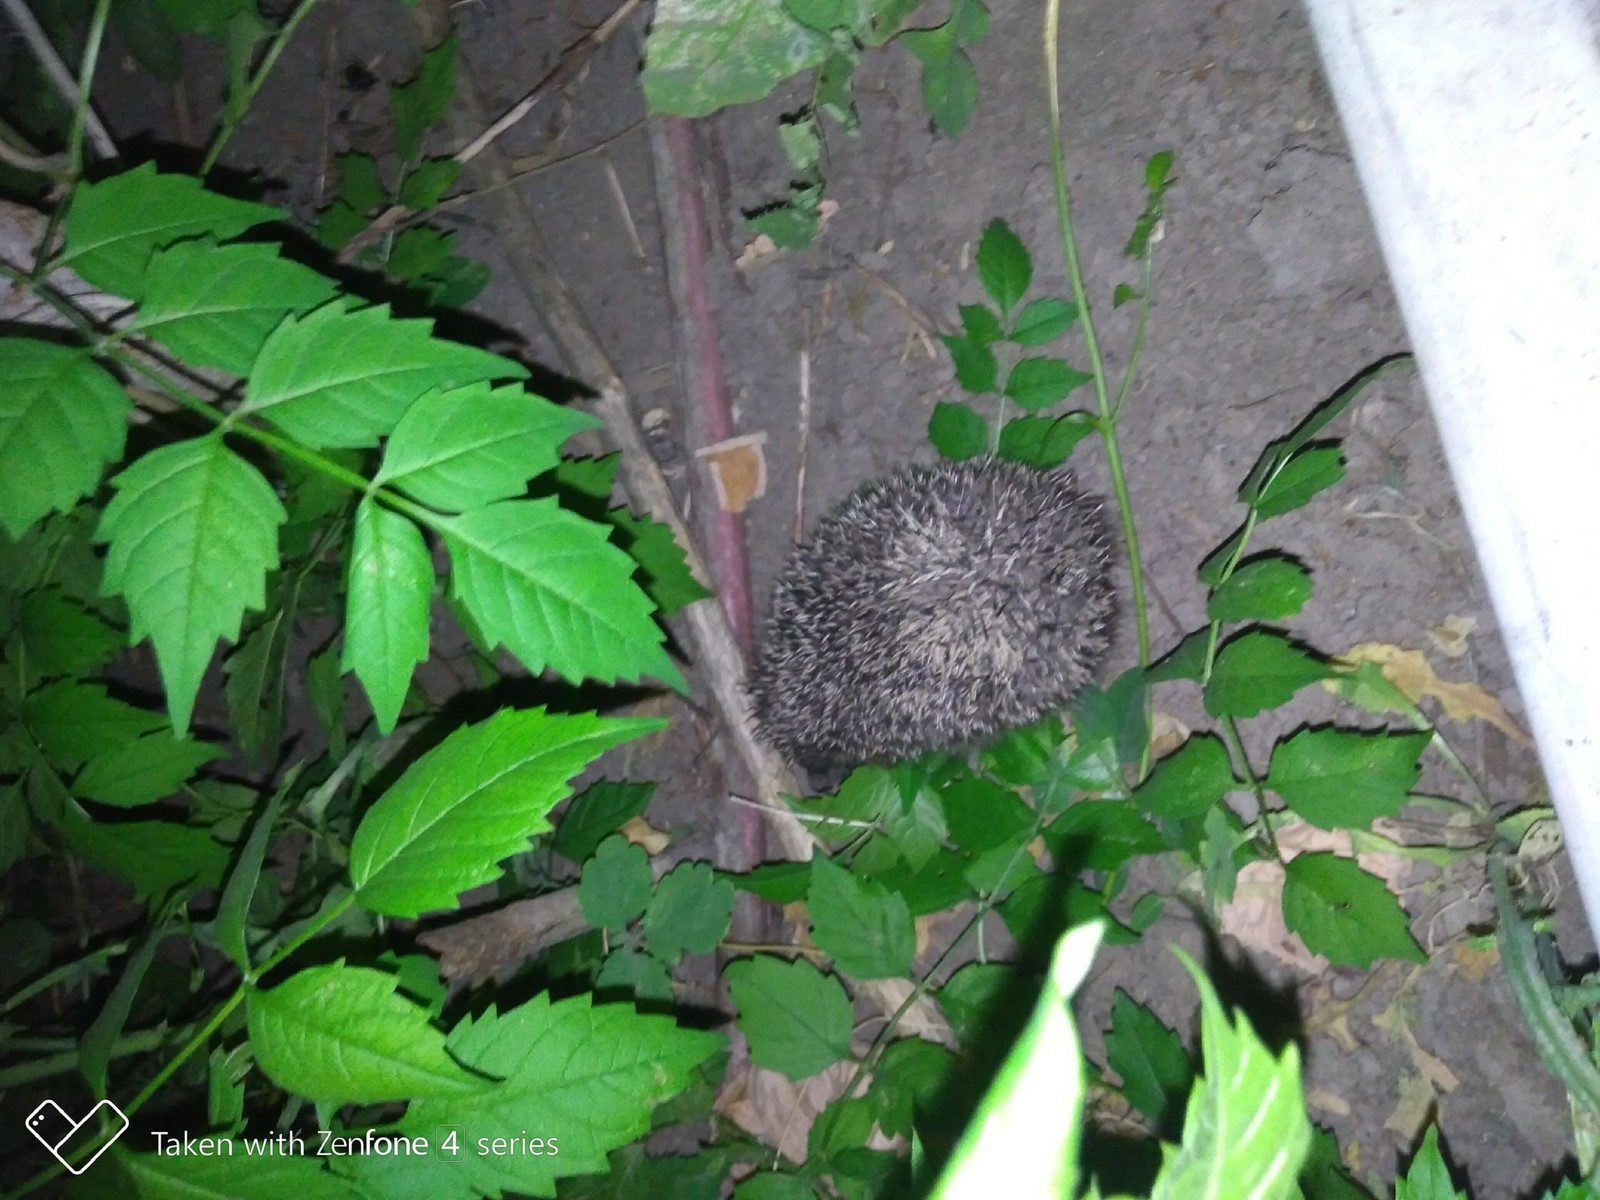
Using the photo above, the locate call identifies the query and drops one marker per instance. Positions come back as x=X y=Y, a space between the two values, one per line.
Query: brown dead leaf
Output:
x=1449 y=636
x=1415 y=1106
x=1328 y=1102
x=1410 y=671
x=779 y=1111
x=738 y=469
x=645 y=835
x=1474 y=962
x=758 y=251
x=1167 y=733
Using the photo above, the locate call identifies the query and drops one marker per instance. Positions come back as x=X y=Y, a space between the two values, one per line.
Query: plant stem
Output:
x=1108 y=415
x=238 y=105
x=80 y=108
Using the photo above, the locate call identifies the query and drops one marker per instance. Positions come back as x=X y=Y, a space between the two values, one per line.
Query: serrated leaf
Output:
x=1004 y=268
x=63 y=418
x=689 y=913
x=115 y=224
x=360 y=184
x=791 y=226
x=1186 y=660
x=1043 y=321
x=1036 y=383
x=663 y=565
x=344 y=377
x=977 y=370
x=865 y=928
x=1258 y=671
x=192 y=532
x=1043 y=442
x=338 y=1035
x=1344 y=913
x=63 y=637
x=1155 y=1068
x=616 y=884
x=218 y=1173
x=1301 y=478
x=595 y=1072
x=144 y=770
x=471 y=801
x=468 y=447
x=417 y=252
x=1264 y=590
x=981 y=324
x=253 y=687
x=426 y=185
x=233 y=907
x=596 y=813
x=1245 y=1132
x=636 y=972
x=216 y=305
x=970 y=996
x=1189 y=781
x=74 y=722
x=1346 y=778
x=949 y=90
x=796 y=1018
x=1027 y=1128
x=1124 y=294
x=421 y=104
x=154 y=856
x=957 y=431
x=1427 y=1178
x=386 y=617
x=554 y=591
x=699 y=59
x=822 y=15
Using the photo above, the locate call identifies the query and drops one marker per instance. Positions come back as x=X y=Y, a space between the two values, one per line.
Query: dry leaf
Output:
x=1414 y=1108
x=1327 y=1102
x=1167 y=733
x=757 y=251
x=779 y=1111
x=738 y=469
x=1449 y=636
x=1410 y=671
x=645 y=835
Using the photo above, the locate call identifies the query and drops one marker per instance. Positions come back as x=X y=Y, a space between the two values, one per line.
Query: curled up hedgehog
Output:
x=934 y=608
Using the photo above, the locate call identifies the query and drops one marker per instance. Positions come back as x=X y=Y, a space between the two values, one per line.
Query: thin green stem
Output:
x=80 y=109
x=1147 y=271
x=238 y=105
x=1108 y=414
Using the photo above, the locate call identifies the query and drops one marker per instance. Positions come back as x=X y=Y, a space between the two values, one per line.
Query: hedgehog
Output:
x=934 y=609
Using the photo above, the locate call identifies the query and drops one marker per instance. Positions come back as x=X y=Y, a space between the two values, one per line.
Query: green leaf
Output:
x=636 y=972
x=1189 y=781
x=361 y=185
x=790 y=226
x=428 y=183
x=230 y=1170
x=143 y=771
x=421 y=104
x=154 y=856
x=699 y=59
x=1043 y=321
x=592 y=1072
x=616 y=884
x=1344 y=913
x=63 y=418
x=689 y=913
x=1264 y=590
x=981 y=324
x=1043 y=442
x=1427 y=1178
x=1186 y=660
x=1245 y=1132
x=1301 y=478
x=796 y=1018
x=1346 y=778
x=957 y=431
x=554 y=591
x=802 y=142
x=74 y=722
x=1323 y=1177
x=417 y=252
x=865 y=928
x=969 y=999
x=192 y=531
x=1256 y=671
x=822 y=15
x=216 y=305
x=977 y=370
x=457 y=283
x=1027 y=1128
x=63 y=637
x=663 y=565
x=114 y=225
x=779 y=882
x=949 y=87
x=342 y=1035
x=233 y=908
x=344 y=377
x=98 y=1041
x=1004 y=267
x=253 y=687
x=1155 y=1068
x=386 y=617
x=471 y=801
x=1124 y=294
x=150 y=37
x=596 y=813
x=1036 y=383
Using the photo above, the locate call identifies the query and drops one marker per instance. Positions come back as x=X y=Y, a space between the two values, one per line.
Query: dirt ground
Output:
x=1269 y=294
